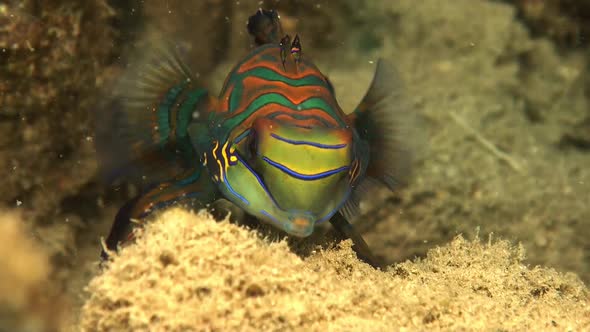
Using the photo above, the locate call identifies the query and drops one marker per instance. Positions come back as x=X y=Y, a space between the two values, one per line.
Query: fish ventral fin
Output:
x=385 y=124
x=142 y=134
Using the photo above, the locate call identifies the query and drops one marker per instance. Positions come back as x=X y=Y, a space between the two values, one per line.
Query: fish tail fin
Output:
x=386 y=129
x=142 y=129
x=265 y=26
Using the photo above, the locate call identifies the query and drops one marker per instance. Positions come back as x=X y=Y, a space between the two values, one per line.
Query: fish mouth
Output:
x=300 y=227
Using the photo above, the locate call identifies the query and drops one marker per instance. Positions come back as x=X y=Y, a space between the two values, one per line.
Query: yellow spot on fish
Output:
x=233 y=159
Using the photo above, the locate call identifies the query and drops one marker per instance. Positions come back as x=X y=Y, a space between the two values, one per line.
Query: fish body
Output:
x=280 y=146
x=275 y=142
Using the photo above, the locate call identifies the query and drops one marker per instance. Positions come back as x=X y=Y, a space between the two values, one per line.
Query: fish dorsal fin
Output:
x=143 y=129
x=385 y=125
x=265 y=26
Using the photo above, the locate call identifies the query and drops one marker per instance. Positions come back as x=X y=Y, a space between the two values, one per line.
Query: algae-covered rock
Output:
x=565 y=21
x=52 y=60
x=189 y=273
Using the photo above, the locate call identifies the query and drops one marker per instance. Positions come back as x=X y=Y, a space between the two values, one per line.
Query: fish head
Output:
x=288 y=175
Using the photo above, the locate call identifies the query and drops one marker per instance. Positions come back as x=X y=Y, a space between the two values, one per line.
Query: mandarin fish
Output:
x=275 y=143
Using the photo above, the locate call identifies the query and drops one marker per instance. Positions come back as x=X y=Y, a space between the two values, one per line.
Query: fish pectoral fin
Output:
x=143 y=124
x=385 y=122
x=351 y=207
x=364 y=253
x=388 y=133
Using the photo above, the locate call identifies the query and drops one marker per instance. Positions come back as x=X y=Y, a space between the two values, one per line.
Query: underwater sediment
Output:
x=188 y=272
